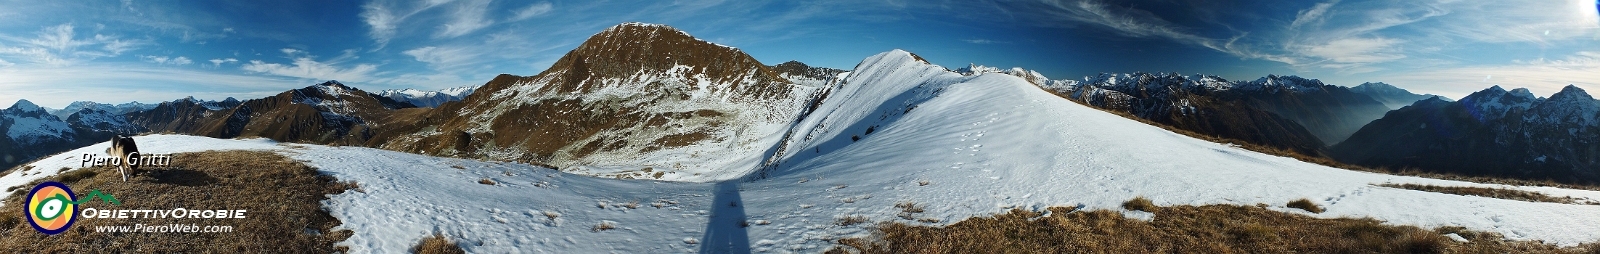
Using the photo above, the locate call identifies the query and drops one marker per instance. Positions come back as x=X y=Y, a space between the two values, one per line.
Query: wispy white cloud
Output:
x=1313 y=15
x=112 y=83
x=217 y=62
x=384 y=17
x=60 y=45
x=1355 y=36
x=1353 y=54
x=533 y=10
x=381 y=21
x=1135 y=22
x=165 y=60
x=983 y=41
x=1542 y=76
x=442 y=58
x=59 y=38
x=306 y=66
x=467 y=17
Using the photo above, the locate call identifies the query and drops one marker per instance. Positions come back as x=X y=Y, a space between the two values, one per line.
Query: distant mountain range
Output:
x=324 y=113
x=1203 y=104
x=32 y=132
x=427 y=99
x=1490 y=132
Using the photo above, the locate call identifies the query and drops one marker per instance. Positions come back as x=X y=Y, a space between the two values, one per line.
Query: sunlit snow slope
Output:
x=982 y=144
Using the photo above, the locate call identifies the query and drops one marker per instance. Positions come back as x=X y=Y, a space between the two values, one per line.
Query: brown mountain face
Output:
x=327 y=113
x=180 y=116
x=632 y=97
x=1192 y=104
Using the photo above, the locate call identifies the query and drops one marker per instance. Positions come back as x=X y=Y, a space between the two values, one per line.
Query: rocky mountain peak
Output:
x=798 y=69
x=1377 y=85
x=630 y=50
x=1273 y=83
x=1486 y=93
x=24 y=105
x=1571 y=93
x=1523 y=92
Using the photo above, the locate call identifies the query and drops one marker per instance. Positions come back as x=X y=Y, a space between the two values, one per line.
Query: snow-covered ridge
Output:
x=100 y=120
x=1572 y=105
x=27 y=124
x=115 y=109
x=25 y=105
x=1274 y=83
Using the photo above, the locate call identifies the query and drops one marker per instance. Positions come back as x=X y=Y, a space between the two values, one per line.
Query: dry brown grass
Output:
x=282 y=196
x=1138 y=204
x=1486 y=192
x=1180 y=229
x=847 y=221
x=1305 y=204
x=603 y=226
x=436 y=244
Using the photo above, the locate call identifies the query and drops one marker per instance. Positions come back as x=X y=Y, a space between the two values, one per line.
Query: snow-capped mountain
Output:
x=31 y=131
x=113 y=109
x=103 y=121
x=28 y=124
x=1389 y=95
x=1200 y=103
x=633 y=101
x=1490 y=132
x=427 y=99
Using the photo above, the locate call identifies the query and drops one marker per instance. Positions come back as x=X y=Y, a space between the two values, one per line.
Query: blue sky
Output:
x=56 y=52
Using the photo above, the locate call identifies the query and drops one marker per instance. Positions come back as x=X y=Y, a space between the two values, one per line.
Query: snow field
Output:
x=966 y=147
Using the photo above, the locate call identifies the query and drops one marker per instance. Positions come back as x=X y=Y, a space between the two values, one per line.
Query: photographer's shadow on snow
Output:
x=726 y=229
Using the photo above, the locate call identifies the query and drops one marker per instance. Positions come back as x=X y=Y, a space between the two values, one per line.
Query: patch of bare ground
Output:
x=1488 y=193
x=1305 y=204
x=1181 y=229
x=680 y=140
x=283 y=198
x=436 y=244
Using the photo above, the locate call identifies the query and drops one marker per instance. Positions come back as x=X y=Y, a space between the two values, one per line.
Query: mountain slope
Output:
x=634 y=101
x=324 y=113
x=1330 y=112
x=1389 y=95
x=1492 y=132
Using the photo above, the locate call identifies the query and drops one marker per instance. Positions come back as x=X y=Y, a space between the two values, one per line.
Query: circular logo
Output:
x=50 y=208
